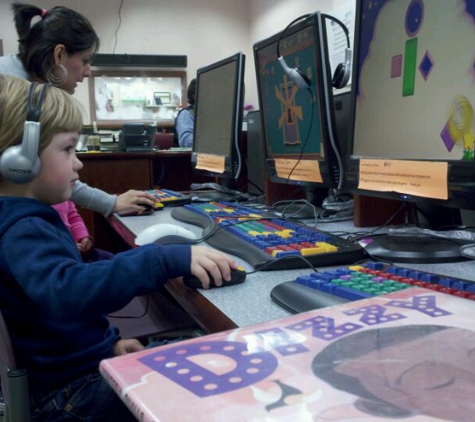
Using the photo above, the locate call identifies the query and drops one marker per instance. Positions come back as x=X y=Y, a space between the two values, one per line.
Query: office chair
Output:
x=14 y=381
x=164 y=141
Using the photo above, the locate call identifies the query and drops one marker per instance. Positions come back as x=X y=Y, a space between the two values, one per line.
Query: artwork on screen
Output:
x=298 y=121
x=413 y=98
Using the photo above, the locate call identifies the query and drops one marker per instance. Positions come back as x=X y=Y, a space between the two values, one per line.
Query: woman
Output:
x=59 y=49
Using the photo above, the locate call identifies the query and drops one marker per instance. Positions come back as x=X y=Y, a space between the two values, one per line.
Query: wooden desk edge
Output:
x=122 y=230
x=208 y=316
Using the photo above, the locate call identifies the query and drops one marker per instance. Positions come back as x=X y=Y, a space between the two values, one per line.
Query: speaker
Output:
x=256 y=156
x=342 y=72
x=20 y=163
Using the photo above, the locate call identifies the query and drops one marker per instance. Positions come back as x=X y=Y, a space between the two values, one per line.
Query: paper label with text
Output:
x=426 y=179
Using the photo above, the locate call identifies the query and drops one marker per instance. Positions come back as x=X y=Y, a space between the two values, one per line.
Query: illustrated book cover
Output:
x=408 y=355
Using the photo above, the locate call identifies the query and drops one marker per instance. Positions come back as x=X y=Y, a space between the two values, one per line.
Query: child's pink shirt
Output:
x=74 y=222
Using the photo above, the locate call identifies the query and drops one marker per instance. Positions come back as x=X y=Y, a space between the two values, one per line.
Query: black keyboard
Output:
x=317 y=290
x=169 y=197
x=262 y=238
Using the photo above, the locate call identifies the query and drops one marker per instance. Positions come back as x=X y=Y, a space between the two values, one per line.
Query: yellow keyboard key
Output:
x=327 y=246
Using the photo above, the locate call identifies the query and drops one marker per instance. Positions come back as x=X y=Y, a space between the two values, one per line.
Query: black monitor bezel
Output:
x=233 y=160
x=328 y=164
x=461 y=174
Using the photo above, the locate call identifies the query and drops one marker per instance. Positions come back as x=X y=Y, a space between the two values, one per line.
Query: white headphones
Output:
x=342 y=72
x=20 y=163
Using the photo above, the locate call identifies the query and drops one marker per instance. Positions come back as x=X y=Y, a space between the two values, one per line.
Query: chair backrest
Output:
x=14 y=380
x=164 y=140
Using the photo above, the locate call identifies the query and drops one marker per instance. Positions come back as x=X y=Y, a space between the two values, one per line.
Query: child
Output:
x=54 y=305
x=74 y=222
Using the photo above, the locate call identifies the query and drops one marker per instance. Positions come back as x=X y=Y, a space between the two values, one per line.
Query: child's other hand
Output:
x=85 y=245
x=218 y=264
x=125 y=346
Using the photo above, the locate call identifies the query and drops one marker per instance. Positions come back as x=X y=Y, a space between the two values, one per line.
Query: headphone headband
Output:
x=342 y=72
x=342 y=25
x=33 y=111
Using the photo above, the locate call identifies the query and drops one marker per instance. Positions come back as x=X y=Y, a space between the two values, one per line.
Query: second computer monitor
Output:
x=218 y=119
x=298 y=121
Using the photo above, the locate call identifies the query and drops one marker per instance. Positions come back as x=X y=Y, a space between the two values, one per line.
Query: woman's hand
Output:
x=133 y=200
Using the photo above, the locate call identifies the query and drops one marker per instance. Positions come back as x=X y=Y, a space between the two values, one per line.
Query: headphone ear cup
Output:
x=21 y=163
x=303 y=77
x=341 y=76
x=295 y=74
x=18 y=168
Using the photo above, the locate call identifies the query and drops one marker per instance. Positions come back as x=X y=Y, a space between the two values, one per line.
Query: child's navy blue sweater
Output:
x=54 y=305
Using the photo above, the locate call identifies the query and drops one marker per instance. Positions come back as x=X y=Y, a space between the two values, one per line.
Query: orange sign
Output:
x=427 y=179
x=210 y=162
x=303 y=170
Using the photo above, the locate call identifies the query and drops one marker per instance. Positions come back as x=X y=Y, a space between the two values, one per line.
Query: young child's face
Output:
x=59 y=169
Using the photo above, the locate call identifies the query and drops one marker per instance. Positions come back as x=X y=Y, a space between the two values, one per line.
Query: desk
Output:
x=248 y=303
x=117 y=172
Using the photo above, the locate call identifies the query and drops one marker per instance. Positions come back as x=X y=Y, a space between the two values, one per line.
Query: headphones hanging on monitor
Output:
x=20 y=163
x=342 y=72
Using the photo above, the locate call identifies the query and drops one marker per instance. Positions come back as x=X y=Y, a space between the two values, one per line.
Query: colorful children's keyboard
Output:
x=262 y=238
x=327 y=288
x=170 y=198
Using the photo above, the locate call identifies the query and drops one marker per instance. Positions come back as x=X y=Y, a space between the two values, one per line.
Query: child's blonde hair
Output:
x=59 y=113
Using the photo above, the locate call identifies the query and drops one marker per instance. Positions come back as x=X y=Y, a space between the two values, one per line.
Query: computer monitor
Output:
x=218 y=123
x=413 y=98
x=298 y=122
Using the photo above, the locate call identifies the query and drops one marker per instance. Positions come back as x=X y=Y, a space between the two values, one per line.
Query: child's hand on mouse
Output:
x=218 y=264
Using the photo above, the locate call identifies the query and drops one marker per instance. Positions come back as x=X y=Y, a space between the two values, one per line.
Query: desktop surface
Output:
x=250 y=303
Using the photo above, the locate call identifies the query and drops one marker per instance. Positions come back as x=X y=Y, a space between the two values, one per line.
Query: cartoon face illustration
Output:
x=398 y=371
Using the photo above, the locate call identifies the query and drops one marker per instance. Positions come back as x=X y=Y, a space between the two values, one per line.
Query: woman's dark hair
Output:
x=58 y=25
x=191 y=92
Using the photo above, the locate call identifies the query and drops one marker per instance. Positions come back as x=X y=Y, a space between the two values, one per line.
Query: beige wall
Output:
x=204 y=30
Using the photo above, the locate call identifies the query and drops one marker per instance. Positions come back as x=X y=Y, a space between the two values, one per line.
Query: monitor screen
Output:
x=413 y=100
x=218 y=118
x=298 y=123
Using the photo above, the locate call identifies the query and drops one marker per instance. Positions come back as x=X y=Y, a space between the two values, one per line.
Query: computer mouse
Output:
x=165 y=234
x=147 y=210
x=238 y=276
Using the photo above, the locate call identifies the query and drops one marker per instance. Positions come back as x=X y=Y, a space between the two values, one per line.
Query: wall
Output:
x=204 y=30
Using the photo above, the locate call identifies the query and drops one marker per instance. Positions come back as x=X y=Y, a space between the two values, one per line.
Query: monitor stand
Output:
x=224 y=191
x=215 y=196
x=413 y=249
x=420 y=248
x=300 y=210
